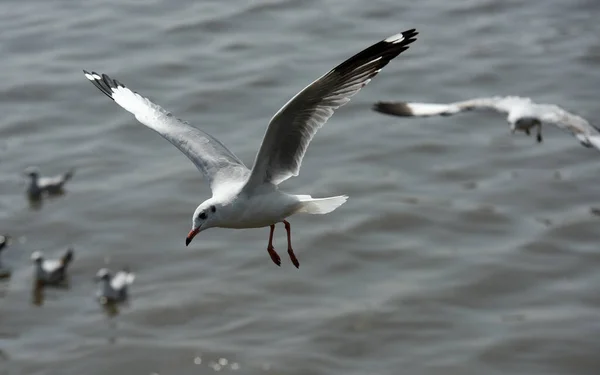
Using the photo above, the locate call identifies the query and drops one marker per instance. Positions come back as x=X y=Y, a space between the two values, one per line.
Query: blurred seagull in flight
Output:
x=523 y=115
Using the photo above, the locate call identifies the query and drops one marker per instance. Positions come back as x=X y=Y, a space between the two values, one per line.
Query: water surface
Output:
x=462 y=249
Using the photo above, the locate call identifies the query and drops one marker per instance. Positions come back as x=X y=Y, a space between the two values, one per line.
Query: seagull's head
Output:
x=4 y=240
x=204 y=217
x=103 y=274
x=32 y=172
x=37 y=257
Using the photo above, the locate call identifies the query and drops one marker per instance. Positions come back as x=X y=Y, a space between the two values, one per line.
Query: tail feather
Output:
x=320 y=206
x=67 y=258
x=67 y=176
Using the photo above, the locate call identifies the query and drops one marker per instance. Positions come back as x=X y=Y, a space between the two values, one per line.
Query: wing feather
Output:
x=295 y=124
x=215 y=161
x=579 y=127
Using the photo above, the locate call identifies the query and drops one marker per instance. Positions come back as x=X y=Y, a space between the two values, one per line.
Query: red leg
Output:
x=290 y=250
x=274 y=256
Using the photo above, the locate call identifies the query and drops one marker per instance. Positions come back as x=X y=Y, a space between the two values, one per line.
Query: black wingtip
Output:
x=403 y=38
x=378 y=55
x=103 y=82
x=393 y=109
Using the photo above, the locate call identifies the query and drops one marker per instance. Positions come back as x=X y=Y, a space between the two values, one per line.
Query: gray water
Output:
x=462 y=249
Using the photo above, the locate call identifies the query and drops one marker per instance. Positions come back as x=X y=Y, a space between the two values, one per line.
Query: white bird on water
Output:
x=51 y=271
x=250 y=198
x=113 y=288
x=39 y=185
x=523 y=115
x=5 y=271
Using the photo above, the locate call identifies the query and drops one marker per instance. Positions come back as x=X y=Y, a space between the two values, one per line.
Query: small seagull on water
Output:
x=250 y=198
x=39 y=186
x=51 y=271
x=4 y=240
x=113 y=289
x=523 y=115
x=5 y=271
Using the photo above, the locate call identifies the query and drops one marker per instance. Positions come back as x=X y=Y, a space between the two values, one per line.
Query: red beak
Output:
x=191 y=236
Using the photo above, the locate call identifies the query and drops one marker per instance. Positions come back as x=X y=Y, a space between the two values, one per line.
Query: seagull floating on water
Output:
x=250 y=198
x=4 y=240
x=523 y=115
x=5 y=271
x=38 y=185
x=51 y=271
x=113 y=289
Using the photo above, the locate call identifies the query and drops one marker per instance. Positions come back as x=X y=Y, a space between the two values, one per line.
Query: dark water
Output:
x=462 y=250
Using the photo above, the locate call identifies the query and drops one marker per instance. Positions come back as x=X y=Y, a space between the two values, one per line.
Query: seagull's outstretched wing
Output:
x=406 y=109
x=211 y=157
x=292 y=128
x=587 y=134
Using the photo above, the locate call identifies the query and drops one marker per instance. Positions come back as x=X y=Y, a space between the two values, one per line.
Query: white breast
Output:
x=258 y=211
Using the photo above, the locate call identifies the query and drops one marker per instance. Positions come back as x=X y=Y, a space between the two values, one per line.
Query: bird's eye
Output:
x=213 y=208
x=202 y=216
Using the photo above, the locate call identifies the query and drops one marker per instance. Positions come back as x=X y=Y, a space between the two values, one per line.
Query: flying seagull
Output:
x=250 y=198
x=39 y=185
x=523 y=115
